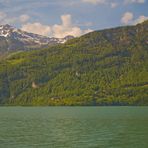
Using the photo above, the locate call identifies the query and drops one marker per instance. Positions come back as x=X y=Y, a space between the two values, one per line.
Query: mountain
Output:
x=12 y=39
x=107 y=67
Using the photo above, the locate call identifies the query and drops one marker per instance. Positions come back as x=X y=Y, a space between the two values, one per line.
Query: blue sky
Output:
x=71 y=17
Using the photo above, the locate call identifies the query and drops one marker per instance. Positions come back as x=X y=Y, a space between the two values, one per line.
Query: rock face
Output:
x=34 y=85
x=13 y=39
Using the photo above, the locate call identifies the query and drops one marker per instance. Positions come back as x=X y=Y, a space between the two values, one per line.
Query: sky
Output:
x=59 y=18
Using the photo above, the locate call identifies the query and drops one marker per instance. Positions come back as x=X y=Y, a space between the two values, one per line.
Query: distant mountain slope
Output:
x=108 y=67
x=12 y=39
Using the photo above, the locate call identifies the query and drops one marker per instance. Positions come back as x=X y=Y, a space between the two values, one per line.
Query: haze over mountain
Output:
x=13 y=39
x=107 y=67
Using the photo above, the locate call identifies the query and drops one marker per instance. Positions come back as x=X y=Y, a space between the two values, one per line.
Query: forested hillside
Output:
x=108 y=67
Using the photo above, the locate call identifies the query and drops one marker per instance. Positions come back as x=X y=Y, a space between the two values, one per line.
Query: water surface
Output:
x=73 y=127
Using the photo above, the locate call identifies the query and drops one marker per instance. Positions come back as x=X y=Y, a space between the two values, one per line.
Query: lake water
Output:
x=73 y=127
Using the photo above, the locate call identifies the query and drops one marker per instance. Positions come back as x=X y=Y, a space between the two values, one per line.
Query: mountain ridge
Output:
x=107 y=67
x=13 y=39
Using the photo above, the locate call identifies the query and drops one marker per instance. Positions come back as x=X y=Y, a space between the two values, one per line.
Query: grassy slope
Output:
x=108 y=67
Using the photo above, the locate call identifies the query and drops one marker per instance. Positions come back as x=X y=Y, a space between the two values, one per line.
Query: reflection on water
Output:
x=73 y=127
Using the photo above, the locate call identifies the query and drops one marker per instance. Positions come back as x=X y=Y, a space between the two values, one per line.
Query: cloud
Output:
x=5 y=19
x=57 y=30
x=140 y=19
x=134 y=1
x=37 y=28
x=67 y=28
x=24 y=18
x=101 y=2
x=94 y=1
x=2 y=15
x=113 y=4
x=127 y=18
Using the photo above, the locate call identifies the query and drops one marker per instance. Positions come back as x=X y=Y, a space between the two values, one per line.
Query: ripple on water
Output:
x=73 y=127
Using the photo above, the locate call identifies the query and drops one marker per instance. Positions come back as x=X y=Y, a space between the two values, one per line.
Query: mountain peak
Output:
x=6 y=26
x=12 y=38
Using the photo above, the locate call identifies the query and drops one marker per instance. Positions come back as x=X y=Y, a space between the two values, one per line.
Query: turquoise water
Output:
x=73 y=127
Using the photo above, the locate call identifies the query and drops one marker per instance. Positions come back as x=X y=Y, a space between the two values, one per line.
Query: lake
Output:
x=73 y=127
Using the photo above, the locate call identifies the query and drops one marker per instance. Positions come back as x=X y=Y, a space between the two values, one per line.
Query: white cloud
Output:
x=99 y=2
x=2 y=15
x=37 y=28
x=5 y=19
x=24 y=18
x=127 y=18
x=140 y=19
x=67 y=28
x=57 y=30
x=134 y=1
x=66 y=20
x=95 y=1
x=114 y=5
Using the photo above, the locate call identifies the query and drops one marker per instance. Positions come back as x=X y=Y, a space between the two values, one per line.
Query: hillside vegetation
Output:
x=108 y=67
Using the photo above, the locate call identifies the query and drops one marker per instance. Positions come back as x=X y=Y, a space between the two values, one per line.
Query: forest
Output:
x=107 y=67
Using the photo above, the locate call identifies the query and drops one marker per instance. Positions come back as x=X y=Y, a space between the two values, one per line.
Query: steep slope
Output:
x=12 y=39
x=108 y=67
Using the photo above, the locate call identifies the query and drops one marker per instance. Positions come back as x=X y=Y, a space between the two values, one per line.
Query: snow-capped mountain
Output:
x=15 y=39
